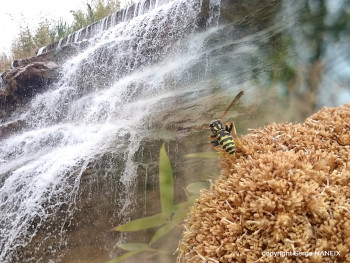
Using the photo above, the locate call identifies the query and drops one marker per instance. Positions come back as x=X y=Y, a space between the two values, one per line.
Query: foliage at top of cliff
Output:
x=48 y=31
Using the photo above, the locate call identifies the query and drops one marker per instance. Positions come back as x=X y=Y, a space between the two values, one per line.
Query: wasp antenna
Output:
x=238 y=96
x=201 y=127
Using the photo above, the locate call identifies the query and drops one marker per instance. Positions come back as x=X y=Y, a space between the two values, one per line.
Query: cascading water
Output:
x=108 y=22
x=106 y=94
x=117 y=91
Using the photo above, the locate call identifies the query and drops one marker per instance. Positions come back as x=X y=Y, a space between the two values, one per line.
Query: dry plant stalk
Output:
x=290 y=192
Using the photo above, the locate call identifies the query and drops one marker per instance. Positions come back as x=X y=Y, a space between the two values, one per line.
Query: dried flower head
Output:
x=290 y=193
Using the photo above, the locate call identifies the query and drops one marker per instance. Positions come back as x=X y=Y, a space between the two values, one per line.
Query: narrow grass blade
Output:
x=125 y=256
x=144 y=223
x=182 y=209
x=134 y=246
x=162 y=232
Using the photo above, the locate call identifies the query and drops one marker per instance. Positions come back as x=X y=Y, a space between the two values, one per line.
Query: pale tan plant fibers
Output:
x=290 y=192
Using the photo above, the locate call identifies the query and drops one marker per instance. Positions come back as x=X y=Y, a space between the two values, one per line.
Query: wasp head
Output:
x=216 y=125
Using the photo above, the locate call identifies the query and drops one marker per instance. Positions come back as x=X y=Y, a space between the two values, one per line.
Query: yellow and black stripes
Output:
x=223 y=133
x=225 y=139
x=223 y=136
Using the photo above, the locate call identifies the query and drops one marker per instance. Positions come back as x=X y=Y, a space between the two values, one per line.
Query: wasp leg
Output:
x=230 y=158
x=229 y=128
x=214 y=143
x=226 y=155
x=222 y=151
x=233 y=126
x=238 y=142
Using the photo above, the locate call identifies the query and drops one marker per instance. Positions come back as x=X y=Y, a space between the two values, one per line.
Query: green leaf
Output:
x=162 y=232
x=180 y=215
x=134 y=246
x=145 y=222
x=182 y=209
x=207 y=155
x=166 y=181
x=125 y=256
x=195 y=188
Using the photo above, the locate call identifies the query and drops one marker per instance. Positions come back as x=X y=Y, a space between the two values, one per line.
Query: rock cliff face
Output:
x=23 y=82
x=30 y=76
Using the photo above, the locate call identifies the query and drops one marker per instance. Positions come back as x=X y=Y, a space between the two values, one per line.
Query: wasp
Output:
x=222 y=132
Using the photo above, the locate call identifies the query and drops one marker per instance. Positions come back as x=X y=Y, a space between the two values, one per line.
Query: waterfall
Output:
x=110 y=21
x=106 y=98
x=160 y=58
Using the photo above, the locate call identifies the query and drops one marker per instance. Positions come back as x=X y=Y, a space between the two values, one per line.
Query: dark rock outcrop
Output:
x=21 y=83
x=30 y=76
x=243 y=12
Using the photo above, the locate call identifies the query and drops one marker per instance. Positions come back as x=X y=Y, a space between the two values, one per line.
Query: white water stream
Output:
x=107 y=92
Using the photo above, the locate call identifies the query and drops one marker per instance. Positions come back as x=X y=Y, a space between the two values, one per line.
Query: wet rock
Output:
x=203 y=14
x=255 y=10
x=23 y=82
x=30 y=76
x=7 y=129
x=58 y=56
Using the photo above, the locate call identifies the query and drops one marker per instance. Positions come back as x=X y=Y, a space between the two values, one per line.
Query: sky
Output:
x=14 y=13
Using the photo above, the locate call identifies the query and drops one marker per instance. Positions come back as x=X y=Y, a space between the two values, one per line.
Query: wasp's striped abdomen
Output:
x=223 y=136
x=222 y=133
x=225 y=139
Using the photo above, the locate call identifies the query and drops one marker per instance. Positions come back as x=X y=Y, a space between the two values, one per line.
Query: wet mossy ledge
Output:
x=289 y=193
